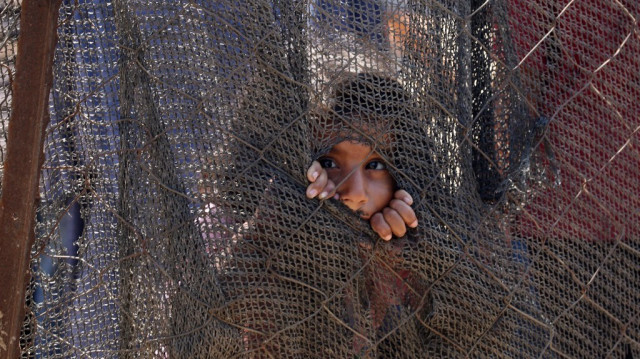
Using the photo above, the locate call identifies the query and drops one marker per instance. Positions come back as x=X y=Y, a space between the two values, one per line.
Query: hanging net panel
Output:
x=173 y=220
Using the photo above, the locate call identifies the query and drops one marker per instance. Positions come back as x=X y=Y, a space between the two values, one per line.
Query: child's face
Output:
x=363 y=182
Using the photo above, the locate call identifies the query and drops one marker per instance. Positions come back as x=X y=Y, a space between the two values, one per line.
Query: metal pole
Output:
x=29 y=118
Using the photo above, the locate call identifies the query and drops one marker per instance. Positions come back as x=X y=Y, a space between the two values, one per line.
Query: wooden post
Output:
x=24 y=156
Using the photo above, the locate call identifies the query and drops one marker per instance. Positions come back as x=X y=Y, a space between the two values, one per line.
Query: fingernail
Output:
x=336 y=196
x=314 y=176
x=323 y=195
x=387 y=237
x=414 y=224
x=408 y=200
x=313 y=193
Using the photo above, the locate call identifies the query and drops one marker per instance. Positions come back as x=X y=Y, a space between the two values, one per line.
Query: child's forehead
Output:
x=349 y=146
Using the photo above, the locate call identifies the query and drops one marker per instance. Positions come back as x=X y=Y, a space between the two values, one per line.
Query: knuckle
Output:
x=376 y=220
x=396 y=203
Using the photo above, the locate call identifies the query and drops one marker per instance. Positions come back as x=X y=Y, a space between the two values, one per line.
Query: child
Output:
x=367 y=110
x=354 y=172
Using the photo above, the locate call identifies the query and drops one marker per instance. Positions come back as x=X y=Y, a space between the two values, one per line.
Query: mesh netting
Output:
x=9 y=19
x=173 y=220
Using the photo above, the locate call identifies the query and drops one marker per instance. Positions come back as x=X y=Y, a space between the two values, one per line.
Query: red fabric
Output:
x=585 y=77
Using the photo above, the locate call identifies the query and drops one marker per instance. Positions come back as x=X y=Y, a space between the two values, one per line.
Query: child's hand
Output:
x=396 y=217
x=320 y=185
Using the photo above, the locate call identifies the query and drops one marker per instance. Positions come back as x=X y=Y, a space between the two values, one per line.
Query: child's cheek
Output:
x=382 y=191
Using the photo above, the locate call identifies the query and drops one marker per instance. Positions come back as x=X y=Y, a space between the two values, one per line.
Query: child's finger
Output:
x=314 y=171
x=393 y=218
x=318 y=185
x=403 y=195
x=328 y=189
x=405 y=211
x=380 y=226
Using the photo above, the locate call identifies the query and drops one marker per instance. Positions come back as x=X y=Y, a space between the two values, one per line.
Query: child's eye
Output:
x=327 y=163
x=376 y=165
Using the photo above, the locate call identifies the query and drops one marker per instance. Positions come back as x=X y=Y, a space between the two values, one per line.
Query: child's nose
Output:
x=353 y=191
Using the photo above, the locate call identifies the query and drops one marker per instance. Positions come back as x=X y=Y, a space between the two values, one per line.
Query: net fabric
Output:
x=9 y=28
x=173 y=220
